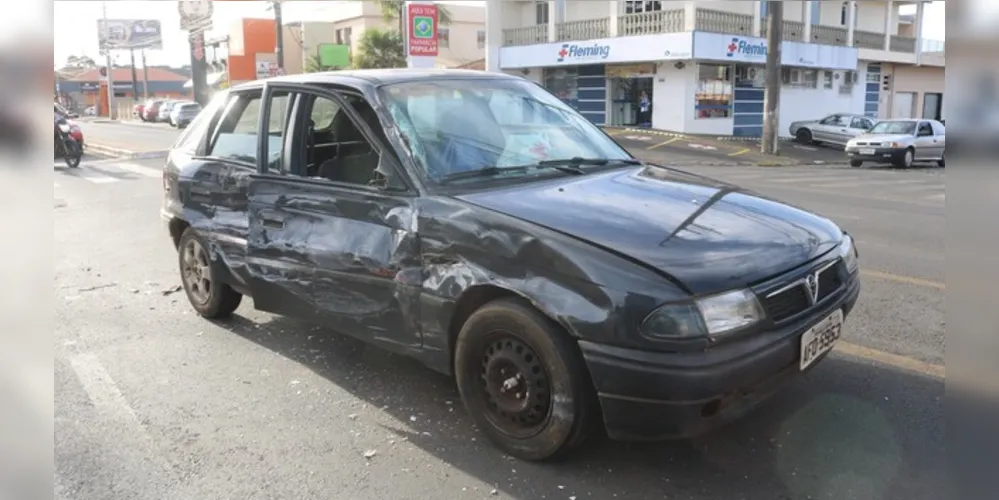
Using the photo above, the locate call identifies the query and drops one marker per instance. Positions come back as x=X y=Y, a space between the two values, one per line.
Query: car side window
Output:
x=336 y=149
x=831 y=120
x=192 y=137
x=939 y=129
x=861 y=123
x=235 y=136
x=925 y=129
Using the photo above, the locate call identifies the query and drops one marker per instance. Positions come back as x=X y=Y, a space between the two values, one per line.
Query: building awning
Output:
x=212 y=79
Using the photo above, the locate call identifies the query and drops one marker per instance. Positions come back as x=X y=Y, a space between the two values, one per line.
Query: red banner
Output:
x=423 y=20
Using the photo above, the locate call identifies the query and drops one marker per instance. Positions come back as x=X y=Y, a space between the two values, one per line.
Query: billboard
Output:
x=118 y=34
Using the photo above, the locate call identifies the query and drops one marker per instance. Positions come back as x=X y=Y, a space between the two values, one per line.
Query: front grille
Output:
x=868 y=143
x=793 y=300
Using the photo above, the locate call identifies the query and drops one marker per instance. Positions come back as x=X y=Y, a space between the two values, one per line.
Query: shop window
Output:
x=346 y=36
x=750 y=77
x=444 y=37
x=800 y=77
x=481 y=36
x=635 y=7
x=714 y=91
x=563 y=82
x=339 y=37
x=541 y=12
x=827 y=79
x=849 y=80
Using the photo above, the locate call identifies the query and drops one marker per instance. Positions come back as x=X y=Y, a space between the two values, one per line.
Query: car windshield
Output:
x=897 y=127
x=460 y=128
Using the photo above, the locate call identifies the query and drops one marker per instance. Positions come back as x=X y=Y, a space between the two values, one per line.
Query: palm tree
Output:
x=392 y=11
x=314 y=65
x=80 y=62
x=378 y=48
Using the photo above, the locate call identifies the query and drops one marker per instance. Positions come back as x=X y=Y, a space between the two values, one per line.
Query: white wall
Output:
x=672 y=91
x=580 y=10
x=811 y=104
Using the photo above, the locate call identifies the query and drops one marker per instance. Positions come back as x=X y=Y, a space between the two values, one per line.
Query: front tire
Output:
x=72 y=153
x=906 y=159
x=856 y=163
x=804 y=136
x=523 y=381
x=209 y=297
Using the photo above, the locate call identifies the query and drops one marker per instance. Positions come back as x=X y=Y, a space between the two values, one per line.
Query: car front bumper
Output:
x=651 y=396
x=879 y=155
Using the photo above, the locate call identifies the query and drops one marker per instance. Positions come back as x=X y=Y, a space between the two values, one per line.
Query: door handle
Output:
x=272 y=219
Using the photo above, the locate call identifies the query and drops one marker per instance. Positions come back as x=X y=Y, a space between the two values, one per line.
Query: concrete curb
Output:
x=663 y=133
x=114 y=152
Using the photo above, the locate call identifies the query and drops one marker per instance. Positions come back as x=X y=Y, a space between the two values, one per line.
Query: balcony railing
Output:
x=527 y=35
x=709 y=20
x=719 y=21
x=650 y=23
x=583 y=30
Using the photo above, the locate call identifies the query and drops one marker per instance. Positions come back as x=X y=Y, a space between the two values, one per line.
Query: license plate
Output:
x=867 y=151
x=820 y=338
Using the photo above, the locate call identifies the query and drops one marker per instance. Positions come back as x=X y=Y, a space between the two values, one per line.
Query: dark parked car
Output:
x=476 y=223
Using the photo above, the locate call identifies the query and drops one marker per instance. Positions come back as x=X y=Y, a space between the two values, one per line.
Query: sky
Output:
x=75 y=24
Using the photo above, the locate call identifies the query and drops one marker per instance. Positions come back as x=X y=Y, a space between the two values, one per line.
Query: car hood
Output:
x=707 y=235
x=881 y=138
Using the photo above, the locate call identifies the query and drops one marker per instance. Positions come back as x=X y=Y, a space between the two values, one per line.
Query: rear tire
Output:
x=804 y=136
x=209 y=297
x=942 y=162
x=524 y=382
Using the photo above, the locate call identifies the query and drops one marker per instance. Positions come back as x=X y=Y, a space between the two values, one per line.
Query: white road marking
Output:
x=702 y=146
x=804 y=178
x=139 y=169
x=92 y=176
x=870 y=182
x=101 y=389
x=941 y=197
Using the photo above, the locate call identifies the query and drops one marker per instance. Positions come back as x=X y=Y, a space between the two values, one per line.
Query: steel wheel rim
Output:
x=196 y=272
x=515 y=386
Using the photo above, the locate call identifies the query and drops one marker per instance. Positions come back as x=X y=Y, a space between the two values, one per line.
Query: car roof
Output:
x=370 y=78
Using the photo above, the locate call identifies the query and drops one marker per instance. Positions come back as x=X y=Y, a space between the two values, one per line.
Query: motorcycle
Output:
x=66 y=146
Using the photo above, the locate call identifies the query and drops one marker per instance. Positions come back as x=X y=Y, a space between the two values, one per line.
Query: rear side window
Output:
x=192 y=136
x=236 y=136
x=925 y=129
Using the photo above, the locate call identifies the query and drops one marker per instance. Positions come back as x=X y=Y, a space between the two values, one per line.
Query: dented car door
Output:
x=343 y=220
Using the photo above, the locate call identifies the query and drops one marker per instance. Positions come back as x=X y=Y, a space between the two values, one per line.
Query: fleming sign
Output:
x=574 y=51
x=423 y=19
x=746 y=48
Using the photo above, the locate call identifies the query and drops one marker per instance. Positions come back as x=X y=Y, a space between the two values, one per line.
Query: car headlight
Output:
x=848 y=252
x=893 y=144
x=711 y=316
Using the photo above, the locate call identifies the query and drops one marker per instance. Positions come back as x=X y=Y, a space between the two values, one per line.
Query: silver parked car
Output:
x=900 y=143
x=834 y=129
x=183 y=113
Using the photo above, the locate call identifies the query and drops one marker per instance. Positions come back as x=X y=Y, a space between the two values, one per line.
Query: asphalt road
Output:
x=154 y=402
x=130 y=136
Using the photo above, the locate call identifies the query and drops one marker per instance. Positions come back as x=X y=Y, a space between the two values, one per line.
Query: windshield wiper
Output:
x=578 y=162
x=490 y=171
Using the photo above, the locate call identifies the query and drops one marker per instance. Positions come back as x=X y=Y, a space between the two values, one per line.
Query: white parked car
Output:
x=900 y=143
x=834 y=129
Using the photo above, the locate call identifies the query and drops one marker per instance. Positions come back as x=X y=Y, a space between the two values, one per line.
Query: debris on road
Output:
x=370 y=453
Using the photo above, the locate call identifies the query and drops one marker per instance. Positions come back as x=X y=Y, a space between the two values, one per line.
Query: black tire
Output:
x=856 y=163
x=804 y=136
x=905 y=159
x=942 y=162
x=552 y=399
x=72 y=153
x=219 y=300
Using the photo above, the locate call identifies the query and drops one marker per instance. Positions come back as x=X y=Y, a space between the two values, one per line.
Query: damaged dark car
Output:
x=477 y=223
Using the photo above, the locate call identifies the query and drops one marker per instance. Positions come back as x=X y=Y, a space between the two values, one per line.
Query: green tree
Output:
x=314 y=65
x=80 y=62
x=378 y=48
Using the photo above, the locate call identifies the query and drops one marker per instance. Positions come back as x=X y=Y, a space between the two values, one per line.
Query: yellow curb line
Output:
x=894 y=360
x=742 y=151
x=904 y=279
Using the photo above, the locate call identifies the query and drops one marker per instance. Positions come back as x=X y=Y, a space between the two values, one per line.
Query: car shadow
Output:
x=847 y=430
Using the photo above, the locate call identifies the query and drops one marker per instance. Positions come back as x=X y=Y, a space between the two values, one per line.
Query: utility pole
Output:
x=145 y=76
x=135 y=77
x=771 y=100
x=112 y=112
x=279 y=46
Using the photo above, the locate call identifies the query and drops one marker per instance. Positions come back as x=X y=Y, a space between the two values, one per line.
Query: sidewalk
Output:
x=724 y=150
